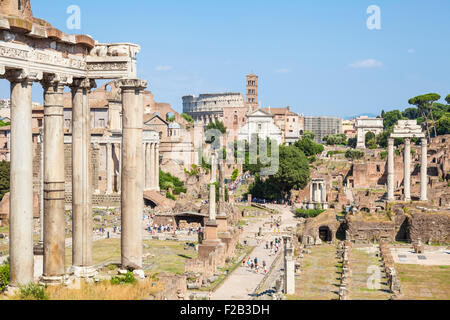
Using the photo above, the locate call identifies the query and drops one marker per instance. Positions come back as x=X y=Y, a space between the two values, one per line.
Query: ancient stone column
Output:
x=311 y=192
x=82 y=262
x=151 y=162
x=424 y=171
x=289 y=266
x=407 y=163
x=212 y=189
x=54 y=186
x=324 y=192
x=132 y=171
x=157 y=167
x=109 y=169
x=21 y=181
x=147 y=167
x=391 y=170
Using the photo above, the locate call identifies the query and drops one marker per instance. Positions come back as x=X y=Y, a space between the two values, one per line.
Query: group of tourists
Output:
x=254 y=266
x=274 y=246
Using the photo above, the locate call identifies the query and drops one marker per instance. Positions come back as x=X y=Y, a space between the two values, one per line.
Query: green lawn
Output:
x=424 y=282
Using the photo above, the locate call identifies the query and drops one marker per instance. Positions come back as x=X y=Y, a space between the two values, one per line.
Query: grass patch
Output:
x=106 y=291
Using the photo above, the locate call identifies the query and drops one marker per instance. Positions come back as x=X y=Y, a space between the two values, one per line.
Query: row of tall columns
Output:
x=407 y=170
x=151 y=166
x=21 y=203
x=318 y=192
x=132 y=172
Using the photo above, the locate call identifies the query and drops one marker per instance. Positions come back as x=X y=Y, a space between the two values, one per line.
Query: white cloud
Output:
x=163 y=68
x=368 y=63
x=282 y=70
x=411 y=51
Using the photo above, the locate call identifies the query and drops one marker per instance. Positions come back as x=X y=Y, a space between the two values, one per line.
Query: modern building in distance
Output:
x=348 y=127
x=291 y=124
x=323 y=126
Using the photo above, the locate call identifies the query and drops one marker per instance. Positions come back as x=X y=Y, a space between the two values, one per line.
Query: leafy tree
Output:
x=4 y=178
x=309 y=147
x=335 y=139
x=309 y=135
x=411 y=113
x=217 y=125
x=443 y=124
x=187 y=117
x=293 y=173
x=168 y=181
x=354 y=154
x=447 y=99
x=391 y=118
x=425 y=103
x=352 y=142
x=370 y=138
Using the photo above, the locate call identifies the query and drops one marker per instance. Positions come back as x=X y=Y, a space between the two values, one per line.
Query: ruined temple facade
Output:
x=33 y=52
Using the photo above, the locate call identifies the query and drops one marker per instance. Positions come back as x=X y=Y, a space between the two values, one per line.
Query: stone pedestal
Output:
x=222 y=223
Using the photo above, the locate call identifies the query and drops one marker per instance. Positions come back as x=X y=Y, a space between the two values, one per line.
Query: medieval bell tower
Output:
x=252 y=91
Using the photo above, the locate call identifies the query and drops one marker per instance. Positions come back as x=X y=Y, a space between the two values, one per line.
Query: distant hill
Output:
x=370 y=115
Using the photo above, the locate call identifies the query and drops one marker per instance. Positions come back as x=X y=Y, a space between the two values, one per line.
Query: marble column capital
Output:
x=23 y=75
x=56 y=81
x=131 y=84
x=83 y=83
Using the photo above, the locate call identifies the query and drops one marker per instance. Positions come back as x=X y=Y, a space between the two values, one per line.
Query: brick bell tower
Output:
x=16 y=8
x=252 y=91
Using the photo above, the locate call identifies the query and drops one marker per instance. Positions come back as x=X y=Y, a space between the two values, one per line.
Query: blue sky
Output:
x=318 y=57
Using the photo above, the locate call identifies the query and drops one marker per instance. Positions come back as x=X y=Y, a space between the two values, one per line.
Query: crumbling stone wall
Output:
x=429 y=227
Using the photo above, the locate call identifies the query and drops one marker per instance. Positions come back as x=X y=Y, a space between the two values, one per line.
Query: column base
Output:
x=83 y=272
x=52 y=281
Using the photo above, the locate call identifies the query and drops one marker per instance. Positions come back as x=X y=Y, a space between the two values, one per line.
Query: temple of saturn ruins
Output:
x=32 y=51
x=408 y=129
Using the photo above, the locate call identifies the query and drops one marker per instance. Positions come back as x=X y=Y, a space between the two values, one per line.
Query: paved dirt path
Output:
x=243 y=282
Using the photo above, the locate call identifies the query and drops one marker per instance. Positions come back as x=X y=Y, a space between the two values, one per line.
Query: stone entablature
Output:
x=407 y=129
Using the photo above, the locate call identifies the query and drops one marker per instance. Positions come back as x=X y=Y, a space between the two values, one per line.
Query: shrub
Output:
x=170 y=196
x=234 y=175
x=383 y=155
x=4 y=276
x=354 y=154
x=302 y=213
x=187 y=117
x=33 y=292
x=128 y=278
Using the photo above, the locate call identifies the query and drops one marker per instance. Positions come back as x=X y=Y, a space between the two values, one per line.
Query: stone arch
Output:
x=325 y=234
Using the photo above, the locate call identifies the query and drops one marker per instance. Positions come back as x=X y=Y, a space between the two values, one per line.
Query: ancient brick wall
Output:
x=430 y=226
